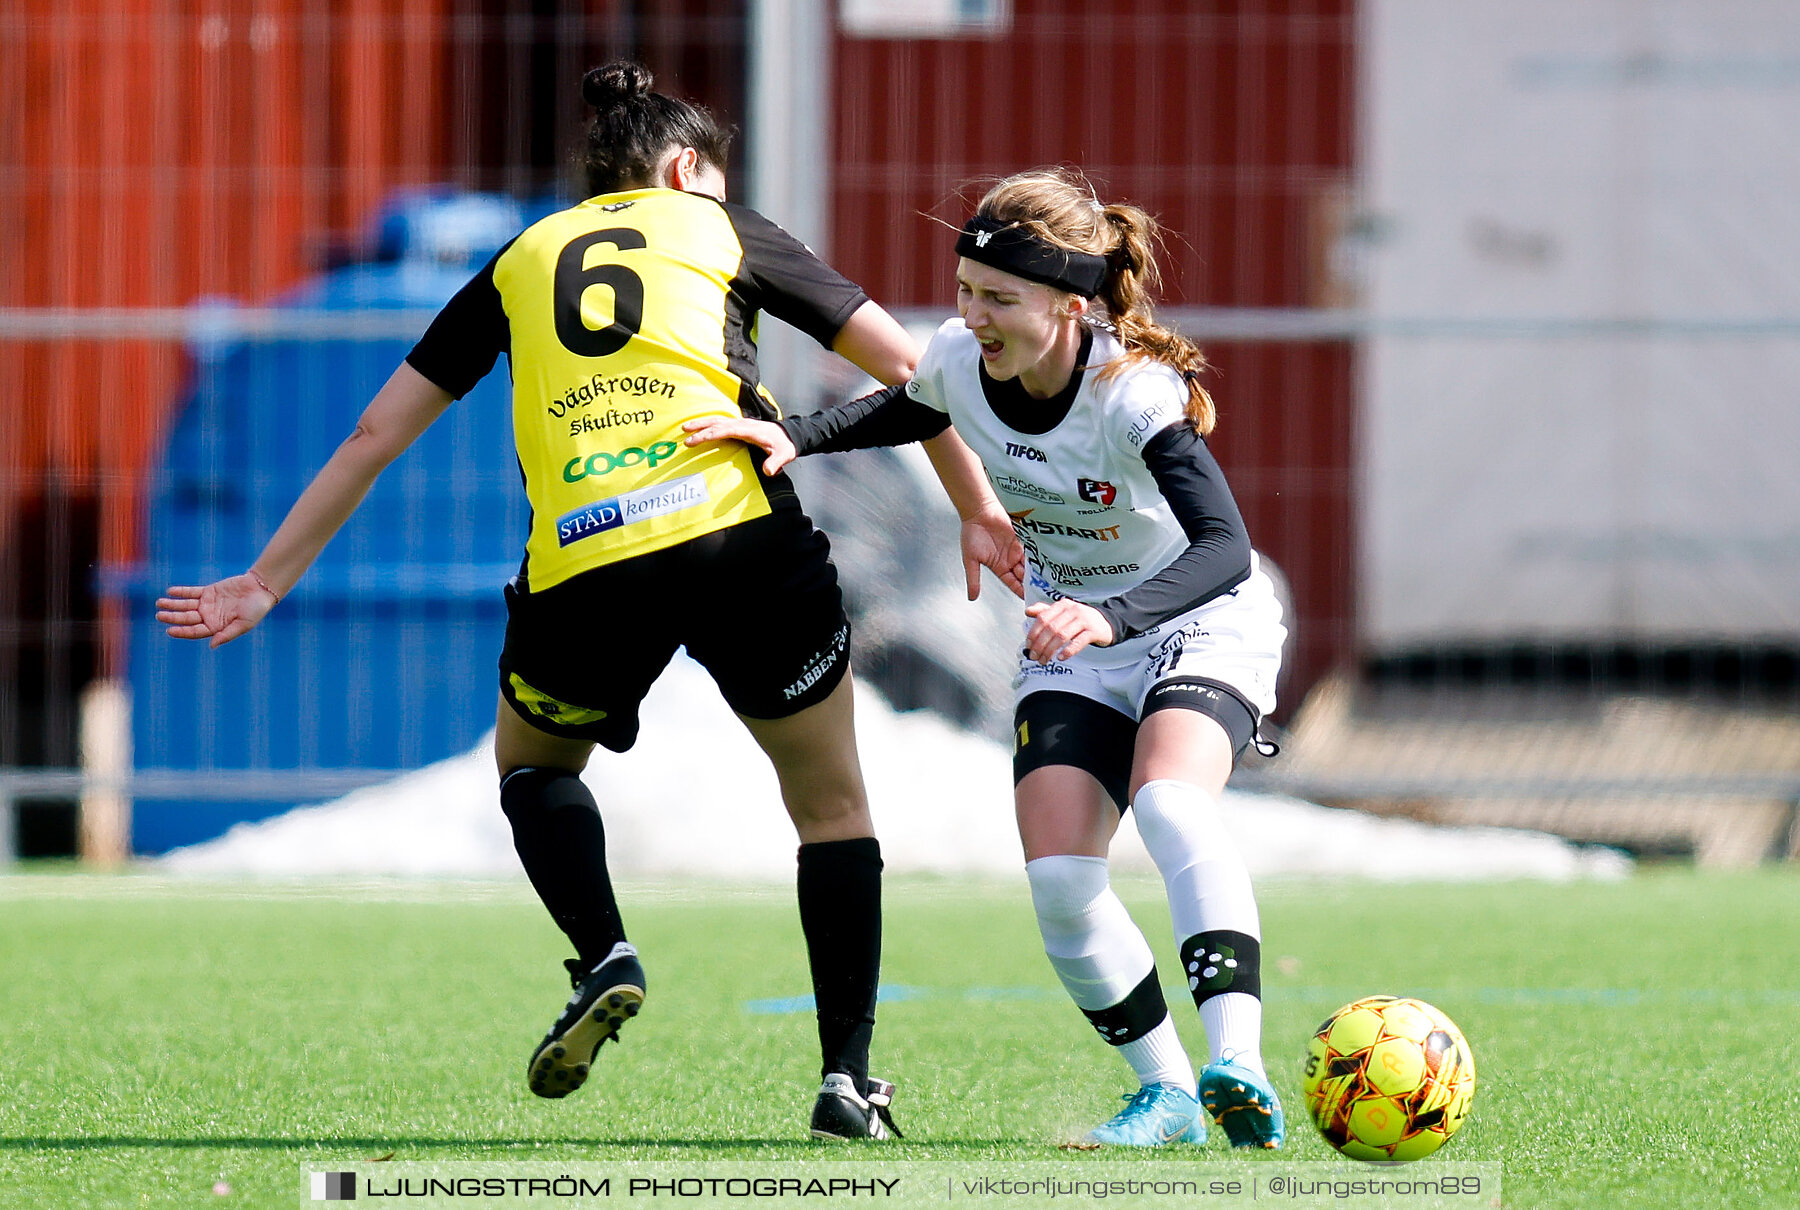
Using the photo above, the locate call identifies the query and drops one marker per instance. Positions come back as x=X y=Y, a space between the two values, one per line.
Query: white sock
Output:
x=1234 y=1027
x=1093 y=944
x=1209 y=890
x=1203 y=872
x=1097 y=951
x=1158 y=1058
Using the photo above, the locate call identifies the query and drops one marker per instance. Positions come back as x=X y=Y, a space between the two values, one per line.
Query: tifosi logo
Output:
x=1097 y=490
x=603 y=462
x=334 y=1186
x=982 y=238
x=1026 y=452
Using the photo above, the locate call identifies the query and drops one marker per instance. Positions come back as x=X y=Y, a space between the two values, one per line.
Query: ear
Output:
x=684 y=169
x=1077 y=307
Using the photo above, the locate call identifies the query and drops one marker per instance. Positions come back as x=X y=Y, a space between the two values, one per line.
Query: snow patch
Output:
x=696 y=798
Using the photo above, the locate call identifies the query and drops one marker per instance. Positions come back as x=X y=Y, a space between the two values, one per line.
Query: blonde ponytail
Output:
x=1128 y=292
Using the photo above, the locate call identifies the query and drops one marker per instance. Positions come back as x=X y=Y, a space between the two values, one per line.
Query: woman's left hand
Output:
x=1063 y=628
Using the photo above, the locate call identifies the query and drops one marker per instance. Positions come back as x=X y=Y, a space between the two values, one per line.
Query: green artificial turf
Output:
x=158 y=1038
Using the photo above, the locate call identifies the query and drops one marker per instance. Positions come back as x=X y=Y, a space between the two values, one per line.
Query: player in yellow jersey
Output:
x=622 y=319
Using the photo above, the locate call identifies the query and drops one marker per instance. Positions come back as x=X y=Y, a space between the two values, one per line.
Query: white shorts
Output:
x=1234 y=640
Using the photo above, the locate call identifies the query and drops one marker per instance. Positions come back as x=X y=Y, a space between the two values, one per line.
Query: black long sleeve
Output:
x=884 y=417
x=1217 y=558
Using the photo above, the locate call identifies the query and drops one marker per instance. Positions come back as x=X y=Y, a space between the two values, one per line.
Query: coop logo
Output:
x=602 y=462
x=1097 y=491
x=334 y=1186
x=1015 y=450
x=630 y=508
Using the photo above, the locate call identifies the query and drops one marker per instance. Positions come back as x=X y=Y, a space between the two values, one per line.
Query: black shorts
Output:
x=757 y=605
x=1055 y=728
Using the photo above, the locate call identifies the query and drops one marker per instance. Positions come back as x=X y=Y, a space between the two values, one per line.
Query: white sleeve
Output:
x=927 y=385
x=1145 y=401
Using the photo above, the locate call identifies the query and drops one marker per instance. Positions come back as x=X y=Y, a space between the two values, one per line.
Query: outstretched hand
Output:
x=220 y=611
x=1064 y=627
x=763 y=434
x=988 y=541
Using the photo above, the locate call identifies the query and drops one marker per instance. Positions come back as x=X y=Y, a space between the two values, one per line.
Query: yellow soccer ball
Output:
x=1388 y=1079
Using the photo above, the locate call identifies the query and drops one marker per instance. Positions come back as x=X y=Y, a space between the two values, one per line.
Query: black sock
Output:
x=557 y=831
x=840 y=913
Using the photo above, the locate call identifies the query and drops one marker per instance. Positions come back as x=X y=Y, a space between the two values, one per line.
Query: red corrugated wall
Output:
x=167 y=151
x=1232 y=122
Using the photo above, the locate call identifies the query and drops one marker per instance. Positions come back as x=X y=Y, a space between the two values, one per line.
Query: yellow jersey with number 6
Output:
x=624 y=317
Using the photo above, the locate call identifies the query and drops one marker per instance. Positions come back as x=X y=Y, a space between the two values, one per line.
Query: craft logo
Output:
x=982 y=238
x=1097 y=491
x=334 y=1186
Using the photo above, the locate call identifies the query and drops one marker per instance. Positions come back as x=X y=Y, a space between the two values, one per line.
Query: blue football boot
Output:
x=1244 y=1103
x=1154 y=1116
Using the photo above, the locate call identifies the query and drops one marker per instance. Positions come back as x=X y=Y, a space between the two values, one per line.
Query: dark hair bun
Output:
x=616 y=83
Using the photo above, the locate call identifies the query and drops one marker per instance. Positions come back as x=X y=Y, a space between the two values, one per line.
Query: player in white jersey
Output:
x=1151 y=639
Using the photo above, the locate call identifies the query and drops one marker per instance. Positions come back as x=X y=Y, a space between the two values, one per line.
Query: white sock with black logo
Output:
x=1097 y=951
x=1209 y=892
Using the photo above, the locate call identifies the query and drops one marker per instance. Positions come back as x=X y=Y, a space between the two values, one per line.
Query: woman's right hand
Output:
x=220 y=611
x=763 y=434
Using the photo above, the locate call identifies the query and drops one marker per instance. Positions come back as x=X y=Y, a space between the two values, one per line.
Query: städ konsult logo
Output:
x=629 y=508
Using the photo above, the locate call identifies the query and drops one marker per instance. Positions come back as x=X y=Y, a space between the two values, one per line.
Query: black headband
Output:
x=1013 y=249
